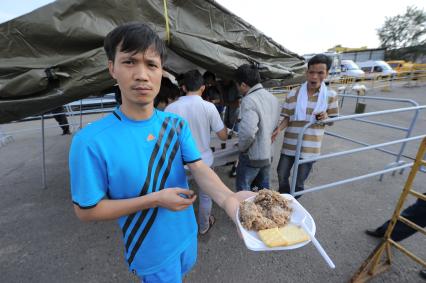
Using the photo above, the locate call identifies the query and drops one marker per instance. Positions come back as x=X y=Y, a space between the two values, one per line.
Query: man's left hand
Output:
x=321 y=116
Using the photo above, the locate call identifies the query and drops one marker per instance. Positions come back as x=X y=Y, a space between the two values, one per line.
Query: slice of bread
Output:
x=293 y=234
x=288 y=235
x=272 y=237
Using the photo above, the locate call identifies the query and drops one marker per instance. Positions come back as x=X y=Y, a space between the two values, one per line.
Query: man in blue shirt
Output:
x=130 y=165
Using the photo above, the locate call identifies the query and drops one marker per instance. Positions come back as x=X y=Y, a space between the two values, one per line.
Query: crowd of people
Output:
x=246 y=107
x=132 y=165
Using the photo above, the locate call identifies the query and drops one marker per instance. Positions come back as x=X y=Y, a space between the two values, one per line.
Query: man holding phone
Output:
x=310 y=102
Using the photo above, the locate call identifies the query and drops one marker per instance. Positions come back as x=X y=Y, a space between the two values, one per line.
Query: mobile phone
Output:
x=186 y=196
x=317 y=116
x=183 y=195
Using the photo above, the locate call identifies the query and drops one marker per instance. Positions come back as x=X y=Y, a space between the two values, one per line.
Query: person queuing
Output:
x=260 y=112
x=168 y=93
x=61 y=118
x=202 y=118
x=310 y=102
x=211 y=92
x=179 y=80
x=232 y=101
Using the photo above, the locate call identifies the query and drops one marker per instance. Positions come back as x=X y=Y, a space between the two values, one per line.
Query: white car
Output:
x=377 y=69
x=350 y=69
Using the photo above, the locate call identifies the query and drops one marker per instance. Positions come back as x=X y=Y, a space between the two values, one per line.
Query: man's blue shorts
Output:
x=176 y=270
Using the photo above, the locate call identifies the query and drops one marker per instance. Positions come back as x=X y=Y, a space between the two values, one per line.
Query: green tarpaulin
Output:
x=54 y=55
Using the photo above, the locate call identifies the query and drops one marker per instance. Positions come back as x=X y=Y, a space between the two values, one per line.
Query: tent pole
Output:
x=81 y=114
x=43 y=173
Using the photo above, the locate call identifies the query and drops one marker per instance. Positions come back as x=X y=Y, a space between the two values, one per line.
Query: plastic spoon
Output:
x=300 y=220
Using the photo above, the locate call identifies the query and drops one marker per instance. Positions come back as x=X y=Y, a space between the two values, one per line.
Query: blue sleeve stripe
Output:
x=85 y=207
x=192 y=161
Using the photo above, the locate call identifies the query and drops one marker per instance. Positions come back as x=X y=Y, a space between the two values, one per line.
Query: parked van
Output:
x=350 y=69
x=376 y=69
x=401 y=67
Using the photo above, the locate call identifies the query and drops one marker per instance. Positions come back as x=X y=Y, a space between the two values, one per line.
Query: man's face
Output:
x=210 y=81
x=182 y=87
x=315 y=75
x=138 y=75
x=242 y=88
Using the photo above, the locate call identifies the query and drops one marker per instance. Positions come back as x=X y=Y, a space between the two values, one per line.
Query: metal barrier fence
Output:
x=408 y=129
x=5 y=138
x=344 y=84
x=75 y=111
x=397 y=165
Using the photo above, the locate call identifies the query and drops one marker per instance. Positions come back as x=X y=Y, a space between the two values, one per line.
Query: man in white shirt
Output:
x=203 y=118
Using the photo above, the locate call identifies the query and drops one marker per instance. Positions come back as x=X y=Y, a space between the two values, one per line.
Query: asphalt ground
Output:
x=41 y=240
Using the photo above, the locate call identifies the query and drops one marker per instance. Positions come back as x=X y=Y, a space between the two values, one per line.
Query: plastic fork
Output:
x=300 y=221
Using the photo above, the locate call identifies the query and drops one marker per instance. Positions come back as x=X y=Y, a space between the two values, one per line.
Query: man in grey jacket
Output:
x=260 y=112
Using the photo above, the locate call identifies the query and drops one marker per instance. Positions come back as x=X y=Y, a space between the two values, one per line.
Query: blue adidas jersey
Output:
x=119 y=158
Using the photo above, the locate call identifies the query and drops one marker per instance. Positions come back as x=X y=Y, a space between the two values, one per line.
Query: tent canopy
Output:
x=54 y=55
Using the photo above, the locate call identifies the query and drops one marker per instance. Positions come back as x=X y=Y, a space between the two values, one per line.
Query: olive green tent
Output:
x=54 y=55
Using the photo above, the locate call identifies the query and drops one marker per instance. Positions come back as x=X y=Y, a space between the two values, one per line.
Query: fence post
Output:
x=43 y=173
x=81 y=114
x=5 y=139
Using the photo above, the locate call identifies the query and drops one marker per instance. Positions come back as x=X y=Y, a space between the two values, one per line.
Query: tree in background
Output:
x=404 y=30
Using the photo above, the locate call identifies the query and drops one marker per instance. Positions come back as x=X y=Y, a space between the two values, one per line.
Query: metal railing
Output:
x=408 y=130
x=75 y=110
x=6 y=137
x=397 y=165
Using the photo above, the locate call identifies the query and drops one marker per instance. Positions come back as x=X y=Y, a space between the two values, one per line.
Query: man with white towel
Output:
x=310 y=102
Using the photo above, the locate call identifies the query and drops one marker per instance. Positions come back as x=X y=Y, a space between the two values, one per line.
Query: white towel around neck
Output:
x=302 y=103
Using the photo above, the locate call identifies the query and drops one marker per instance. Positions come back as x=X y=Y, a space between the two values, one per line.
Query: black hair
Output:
x=179 y=78
x=208 y=74
x=247 y=74
x=133 y=37
x=168 y=91
x=171 y=89
x=193 y=80
x=320 y=59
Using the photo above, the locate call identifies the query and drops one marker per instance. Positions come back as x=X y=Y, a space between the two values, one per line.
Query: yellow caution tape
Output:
x=166 y=16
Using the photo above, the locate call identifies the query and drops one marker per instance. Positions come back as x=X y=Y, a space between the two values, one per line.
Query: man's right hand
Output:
x=281 y=126
x=275 y=134
x=175 y=198
x=233 y=202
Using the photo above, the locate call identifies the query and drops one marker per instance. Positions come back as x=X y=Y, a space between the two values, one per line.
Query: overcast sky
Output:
x=302 y=26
